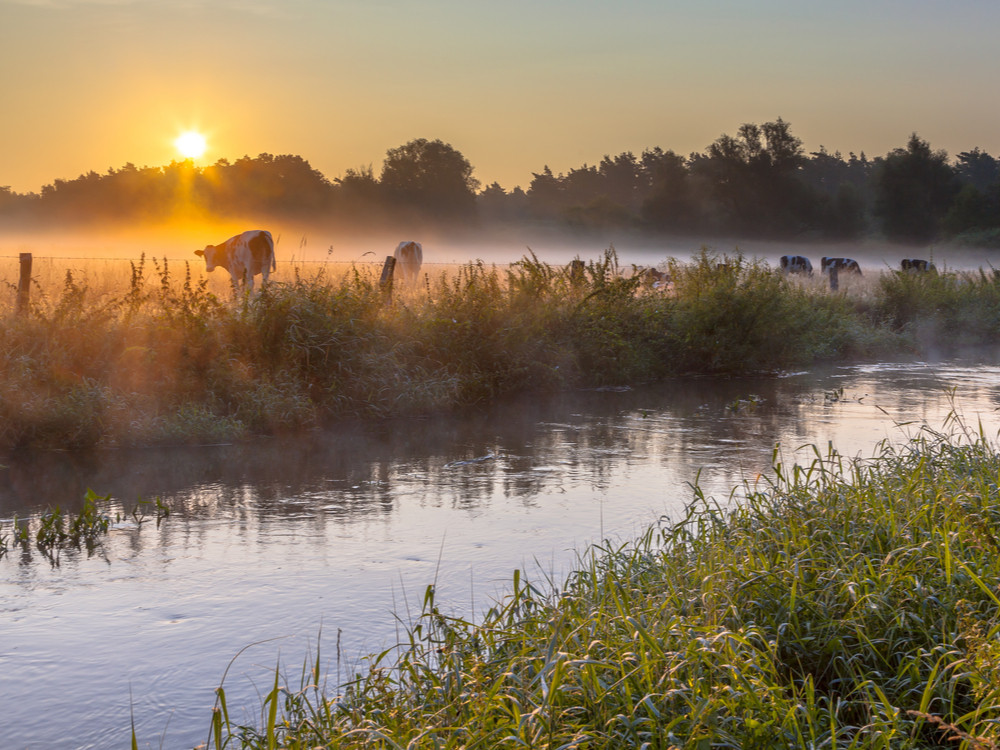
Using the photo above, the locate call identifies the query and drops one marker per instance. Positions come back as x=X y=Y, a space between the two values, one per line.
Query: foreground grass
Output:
x=163 y=359
x=848 y=604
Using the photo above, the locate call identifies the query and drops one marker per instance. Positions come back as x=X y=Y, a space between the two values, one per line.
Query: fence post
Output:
x=834 y=279
x=385 y=283
x=24 y=285
x=576 y=268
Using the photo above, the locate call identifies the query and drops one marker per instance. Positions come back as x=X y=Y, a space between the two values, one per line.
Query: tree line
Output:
x=759 y=182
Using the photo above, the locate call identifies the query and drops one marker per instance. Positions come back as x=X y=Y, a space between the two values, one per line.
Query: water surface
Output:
x=339 y=532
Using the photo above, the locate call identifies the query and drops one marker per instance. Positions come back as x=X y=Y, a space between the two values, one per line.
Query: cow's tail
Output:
x=274 y=261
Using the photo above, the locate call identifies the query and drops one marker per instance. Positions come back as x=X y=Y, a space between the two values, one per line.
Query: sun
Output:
x=190 y=144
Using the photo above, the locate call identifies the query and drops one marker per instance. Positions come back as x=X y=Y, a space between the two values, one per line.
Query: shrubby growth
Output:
x=758 y=183
x=165 y=360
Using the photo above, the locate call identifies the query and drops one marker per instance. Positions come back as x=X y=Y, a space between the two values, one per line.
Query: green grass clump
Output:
x=962 y=308
x=845 y=604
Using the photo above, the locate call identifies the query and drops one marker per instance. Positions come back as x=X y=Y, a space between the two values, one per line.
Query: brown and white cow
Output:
x=653 y=278
x=244 y=256
x=409 y=256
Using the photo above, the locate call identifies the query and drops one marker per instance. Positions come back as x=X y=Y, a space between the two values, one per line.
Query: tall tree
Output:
x=752 y=179
x=669 y=203
x=914 y=187
x=977 y=168
x=431 y=177
x=545 y=194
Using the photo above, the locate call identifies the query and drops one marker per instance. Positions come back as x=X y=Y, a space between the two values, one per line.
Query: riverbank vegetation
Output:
x=162 y=358
x=843 y=603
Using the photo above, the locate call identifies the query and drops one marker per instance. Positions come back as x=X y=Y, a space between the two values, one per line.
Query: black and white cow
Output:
x=409 y=256
x=916 y=265
x=845 y=265
x=796 y=264
x=244 y=256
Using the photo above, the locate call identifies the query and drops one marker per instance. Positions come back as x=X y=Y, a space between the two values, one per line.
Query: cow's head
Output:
x=209 y=255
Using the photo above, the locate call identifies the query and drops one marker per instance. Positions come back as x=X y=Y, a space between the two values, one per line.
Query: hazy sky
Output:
x=513 y=85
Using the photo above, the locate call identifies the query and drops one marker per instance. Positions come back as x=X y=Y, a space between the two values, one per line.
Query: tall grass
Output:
x=844 y=604
x=164 y=357
x=963 y=308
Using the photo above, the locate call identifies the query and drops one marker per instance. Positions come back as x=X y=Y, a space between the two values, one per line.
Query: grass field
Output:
x=151 y=352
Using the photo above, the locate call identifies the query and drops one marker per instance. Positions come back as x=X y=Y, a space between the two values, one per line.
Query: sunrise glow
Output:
x=190 y=144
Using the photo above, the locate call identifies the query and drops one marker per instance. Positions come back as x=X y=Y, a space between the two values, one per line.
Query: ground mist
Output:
x=163 y=357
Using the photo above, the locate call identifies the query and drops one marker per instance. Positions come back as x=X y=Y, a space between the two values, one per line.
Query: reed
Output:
x=166 y=356
x=844 y=603
x=54 y=531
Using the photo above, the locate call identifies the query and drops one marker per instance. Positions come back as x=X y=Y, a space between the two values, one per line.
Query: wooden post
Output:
x=24 y=285
x=385 y=283
x=576 y=268
x=834 y=279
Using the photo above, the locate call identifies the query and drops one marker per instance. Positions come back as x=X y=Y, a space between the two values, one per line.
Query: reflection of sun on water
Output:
x=190 y=144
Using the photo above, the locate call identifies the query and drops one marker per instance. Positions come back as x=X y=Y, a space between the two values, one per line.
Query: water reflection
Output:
x=342 y=528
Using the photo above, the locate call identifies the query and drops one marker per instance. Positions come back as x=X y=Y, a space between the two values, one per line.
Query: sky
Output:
x=515 y=85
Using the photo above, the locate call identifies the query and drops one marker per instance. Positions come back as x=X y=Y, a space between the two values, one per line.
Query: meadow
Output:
x=152 y=352
x=846 y=603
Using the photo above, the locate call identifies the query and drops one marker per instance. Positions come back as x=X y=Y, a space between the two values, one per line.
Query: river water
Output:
x=334 y=536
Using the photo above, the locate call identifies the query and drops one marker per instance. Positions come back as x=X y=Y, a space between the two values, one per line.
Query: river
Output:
x=333 y=536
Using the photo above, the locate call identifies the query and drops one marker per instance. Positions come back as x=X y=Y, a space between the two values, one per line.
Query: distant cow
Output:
x=244 y=256
x=917 y=265
x=409 y=256
x=654 y=278
x=796 y=264
x=846 y=265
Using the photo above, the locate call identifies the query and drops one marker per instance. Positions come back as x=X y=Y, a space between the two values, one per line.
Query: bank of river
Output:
x=277 y=540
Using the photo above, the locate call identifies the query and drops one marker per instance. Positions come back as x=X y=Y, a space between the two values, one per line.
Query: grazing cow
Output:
x=244 y=256
x=796 y=264
x=409 y=256
x=847 y=265
x=654 y=278
x=916 y=265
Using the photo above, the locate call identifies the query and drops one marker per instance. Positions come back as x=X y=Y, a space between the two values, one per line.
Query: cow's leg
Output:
x=235 y=279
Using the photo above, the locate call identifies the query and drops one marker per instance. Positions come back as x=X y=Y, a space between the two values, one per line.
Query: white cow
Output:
x=409 y=256
x=244 y=256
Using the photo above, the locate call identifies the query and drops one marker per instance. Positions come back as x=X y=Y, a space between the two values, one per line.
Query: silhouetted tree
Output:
x=431 y=177
x=496 y=204
x=752 y=180
x=914 y=188
x=970 y=211
x=669 y=202
x=623 y=180
x=545 y=194
x=840 y=188
x=977 y=168
x=358 y=195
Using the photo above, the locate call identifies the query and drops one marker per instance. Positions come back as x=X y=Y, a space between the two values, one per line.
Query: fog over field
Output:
x=499 y=245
